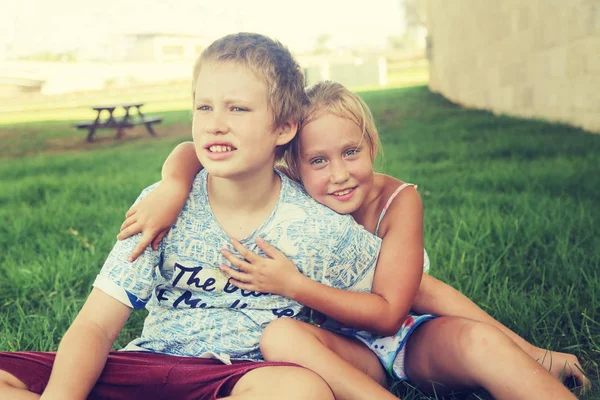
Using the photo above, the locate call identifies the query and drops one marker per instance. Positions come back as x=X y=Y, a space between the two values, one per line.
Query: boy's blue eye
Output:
x=238 y=109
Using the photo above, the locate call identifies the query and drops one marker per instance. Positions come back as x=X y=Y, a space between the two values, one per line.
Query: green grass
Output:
x=511 y=217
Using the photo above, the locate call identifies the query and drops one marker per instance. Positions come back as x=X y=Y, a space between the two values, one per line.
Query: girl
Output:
x=463 y=348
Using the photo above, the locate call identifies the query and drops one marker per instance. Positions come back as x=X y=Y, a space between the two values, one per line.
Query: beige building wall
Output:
x=534 y=58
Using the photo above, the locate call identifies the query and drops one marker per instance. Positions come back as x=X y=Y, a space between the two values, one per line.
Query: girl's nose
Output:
x=339 y=174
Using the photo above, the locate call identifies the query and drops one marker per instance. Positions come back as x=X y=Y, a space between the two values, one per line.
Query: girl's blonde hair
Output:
x=328 y=97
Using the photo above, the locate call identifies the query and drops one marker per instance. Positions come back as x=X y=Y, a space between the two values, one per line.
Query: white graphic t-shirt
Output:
x=195 y=311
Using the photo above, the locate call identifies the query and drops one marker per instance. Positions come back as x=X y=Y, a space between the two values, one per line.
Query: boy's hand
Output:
x=562 y=366
x=275 y=274
x=153 y=216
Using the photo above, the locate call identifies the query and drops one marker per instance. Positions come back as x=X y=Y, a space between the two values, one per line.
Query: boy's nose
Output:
x=216 y=124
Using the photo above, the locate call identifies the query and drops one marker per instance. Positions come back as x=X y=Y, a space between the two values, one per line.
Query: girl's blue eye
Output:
x=317 y=161
x=238 y=109
x=350 y=152
x=203 y=108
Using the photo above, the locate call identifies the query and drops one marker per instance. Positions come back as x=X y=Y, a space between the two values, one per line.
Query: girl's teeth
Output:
x=343 y=192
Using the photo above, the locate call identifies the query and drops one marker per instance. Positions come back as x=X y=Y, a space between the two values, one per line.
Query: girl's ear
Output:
x=287 y=132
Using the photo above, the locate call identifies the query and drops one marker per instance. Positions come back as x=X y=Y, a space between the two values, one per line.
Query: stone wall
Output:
x=534 y=58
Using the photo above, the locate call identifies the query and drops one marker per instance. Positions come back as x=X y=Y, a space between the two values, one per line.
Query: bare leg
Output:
x=438 y=298
x=14 y=389
x=458 y=353
x=349 y=368
x=292 y=383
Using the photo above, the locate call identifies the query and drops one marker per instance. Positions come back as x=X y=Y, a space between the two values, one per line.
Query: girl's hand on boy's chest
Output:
x=271 y=274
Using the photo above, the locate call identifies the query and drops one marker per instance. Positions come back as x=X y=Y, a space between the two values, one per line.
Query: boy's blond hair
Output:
x=268 y=60
x=329 y=97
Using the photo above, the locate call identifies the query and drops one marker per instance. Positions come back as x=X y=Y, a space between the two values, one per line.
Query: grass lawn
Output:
x=511 y=216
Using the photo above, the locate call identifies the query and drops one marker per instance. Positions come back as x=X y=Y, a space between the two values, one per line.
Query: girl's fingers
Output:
x=237 y=275
x=236 y=261
x=158 y=238
x=129 y=231
x=128 y=221
x=269 y=250
x=141 y=246
x=243 y=286
x=244 y=252
x=131 y=211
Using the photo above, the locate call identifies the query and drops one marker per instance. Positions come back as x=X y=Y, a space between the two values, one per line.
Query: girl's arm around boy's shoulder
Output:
x=154 y=215
x=83 y=351
x=182 y=165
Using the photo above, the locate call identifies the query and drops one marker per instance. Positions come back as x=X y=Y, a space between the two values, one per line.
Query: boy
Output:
x=248 y=94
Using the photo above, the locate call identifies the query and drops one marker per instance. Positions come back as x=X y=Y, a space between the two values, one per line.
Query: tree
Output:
x=321 y=44
x=415 y=19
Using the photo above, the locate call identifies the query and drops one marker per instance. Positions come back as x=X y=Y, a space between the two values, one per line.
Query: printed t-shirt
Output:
x=195 y=311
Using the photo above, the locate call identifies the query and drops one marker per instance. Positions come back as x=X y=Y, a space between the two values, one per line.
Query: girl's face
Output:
x=335 y=163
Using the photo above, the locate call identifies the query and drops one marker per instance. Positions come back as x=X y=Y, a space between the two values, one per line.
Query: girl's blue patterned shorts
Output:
x=390 y=350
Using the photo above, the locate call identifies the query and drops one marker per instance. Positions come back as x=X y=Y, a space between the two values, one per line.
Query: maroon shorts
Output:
x=139 y=375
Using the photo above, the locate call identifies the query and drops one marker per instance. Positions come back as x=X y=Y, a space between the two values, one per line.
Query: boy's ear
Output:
x=287 y=132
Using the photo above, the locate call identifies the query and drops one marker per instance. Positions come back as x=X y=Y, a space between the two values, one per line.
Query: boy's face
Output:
x=233 y=127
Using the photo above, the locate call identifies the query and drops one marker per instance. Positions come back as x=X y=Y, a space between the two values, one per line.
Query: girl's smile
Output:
x=345 y=194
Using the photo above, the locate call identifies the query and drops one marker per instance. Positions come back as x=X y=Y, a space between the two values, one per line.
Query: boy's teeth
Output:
x=220 y=149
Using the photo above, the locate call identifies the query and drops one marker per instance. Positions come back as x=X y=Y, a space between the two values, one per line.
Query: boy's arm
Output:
x=83 y=351
x=156 y=213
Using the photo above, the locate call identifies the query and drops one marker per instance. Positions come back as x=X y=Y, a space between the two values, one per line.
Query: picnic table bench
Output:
x=119 y=123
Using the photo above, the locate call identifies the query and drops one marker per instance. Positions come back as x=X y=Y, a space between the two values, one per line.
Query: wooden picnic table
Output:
x=129 y=120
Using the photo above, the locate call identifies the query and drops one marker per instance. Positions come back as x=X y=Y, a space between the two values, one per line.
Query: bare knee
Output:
x=480 y=341
x=10 y=381
x=311 y=386
x=292 y=383
x=278 y=338
x=452 y=351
